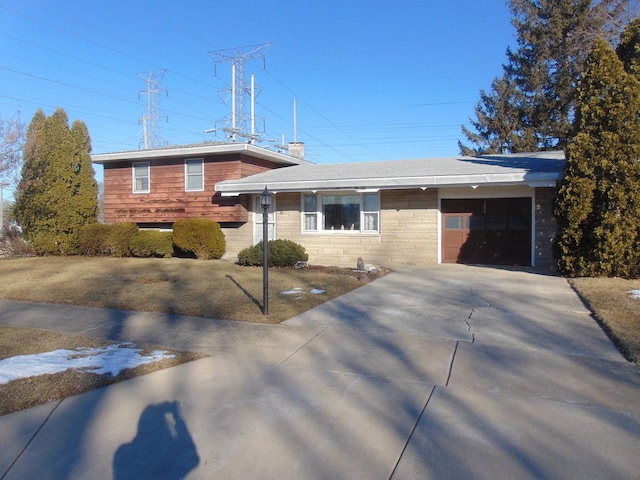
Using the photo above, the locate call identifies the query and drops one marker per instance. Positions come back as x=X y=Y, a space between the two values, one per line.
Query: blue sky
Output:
x=372 y=80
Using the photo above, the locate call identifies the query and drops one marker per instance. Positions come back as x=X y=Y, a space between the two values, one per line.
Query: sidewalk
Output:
x=440 y=372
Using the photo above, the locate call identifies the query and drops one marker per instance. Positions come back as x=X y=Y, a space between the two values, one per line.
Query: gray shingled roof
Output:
x=534 y=169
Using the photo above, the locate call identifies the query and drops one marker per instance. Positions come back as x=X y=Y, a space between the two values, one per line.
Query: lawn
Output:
x=211 y=289
x=615 y=310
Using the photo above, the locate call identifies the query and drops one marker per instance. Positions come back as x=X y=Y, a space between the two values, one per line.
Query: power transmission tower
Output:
x=150 y=128
x=239 y=124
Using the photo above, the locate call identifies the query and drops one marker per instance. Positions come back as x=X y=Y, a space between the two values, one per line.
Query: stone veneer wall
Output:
x=546 y=227
x=237 y=237
x=408 y=232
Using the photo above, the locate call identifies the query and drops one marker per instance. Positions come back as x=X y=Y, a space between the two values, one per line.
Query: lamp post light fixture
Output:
x=265 y=201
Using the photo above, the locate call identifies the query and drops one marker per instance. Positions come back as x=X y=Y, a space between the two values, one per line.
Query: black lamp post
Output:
x=265 y=201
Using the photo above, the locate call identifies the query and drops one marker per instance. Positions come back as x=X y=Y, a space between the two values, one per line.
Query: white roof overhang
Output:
x=538 y=179
x=197 y=150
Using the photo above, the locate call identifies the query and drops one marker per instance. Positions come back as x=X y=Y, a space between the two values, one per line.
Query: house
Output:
x=155 y=187
x=494 y=209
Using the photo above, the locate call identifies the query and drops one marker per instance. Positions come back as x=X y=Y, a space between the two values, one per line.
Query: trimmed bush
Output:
x=92 y=239
x=119 y=238
x=281 y=253
x=151 y=243
x=201 y=236
x=107 y=239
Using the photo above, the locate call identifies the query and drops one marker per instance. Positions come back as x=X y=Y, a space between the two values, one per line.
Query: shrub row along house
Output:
x=495 y=210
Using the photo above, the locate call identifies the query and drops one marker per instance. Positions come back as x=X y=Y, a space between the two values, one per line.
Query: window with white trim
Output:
x=339 y=212
x=194 y=175
x=141 y=177
x=310 y=213
x=370 y=212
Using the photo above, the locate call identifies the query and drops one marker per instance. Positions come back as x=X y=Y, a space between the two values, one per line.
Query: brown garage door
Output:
x=492 y=231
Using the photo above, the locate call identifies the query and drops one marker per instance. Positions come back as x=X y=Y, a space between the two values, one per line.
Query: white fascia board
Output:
x=196 y=150
x=230 y=188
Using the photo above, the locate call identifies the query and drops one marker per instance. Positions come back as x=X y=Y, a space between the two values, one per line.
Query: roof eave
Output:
x=542 y=179
x=195 y=150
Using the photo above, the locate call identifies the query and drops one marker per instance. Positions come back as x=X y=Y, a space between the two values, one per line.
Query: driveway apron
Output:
x=435 y=372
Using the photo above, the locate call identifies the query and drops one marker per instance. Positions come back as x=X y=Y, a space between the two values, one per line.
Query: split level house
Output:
x=493 y=210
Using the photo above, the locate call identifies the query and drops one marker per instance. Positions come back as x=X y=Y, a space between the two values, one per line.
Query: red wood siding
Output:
x=167 y=200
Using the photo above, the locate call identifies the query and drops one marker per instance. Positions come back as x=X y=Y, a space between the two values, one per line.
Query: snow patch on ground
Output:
x=298 y=290
x=105 y=360
x=635 y=294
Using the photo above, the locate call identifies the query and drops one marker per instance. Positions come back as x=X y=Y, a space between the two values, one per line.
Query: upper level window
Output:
x=141 y=177
x=194 y=174
x=341 y=212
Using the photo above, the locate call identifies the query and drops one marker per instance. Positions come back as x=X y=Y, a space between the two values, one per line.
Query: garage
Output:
x=487 y=231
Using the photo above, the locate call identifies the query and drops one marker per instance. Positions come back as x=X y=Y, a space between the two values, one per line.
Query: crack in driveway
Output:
x=467 y=322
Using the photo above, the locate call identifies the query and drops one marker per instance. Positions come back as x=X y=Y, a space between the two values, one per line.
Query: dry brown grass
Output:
x=29 y=392
x=212 y=289
x=617 y=312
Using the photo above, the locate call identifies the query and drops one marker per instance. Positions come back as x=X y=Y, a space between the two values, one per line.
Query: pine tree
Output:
x=628 y=49
x=57 y=193
x=598 y=203
x=553 y=37
x=498 y=125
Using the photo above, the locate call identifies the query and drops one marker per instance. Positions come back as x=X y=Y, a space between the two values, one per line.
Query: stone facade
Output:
x=409 y=230
x=546 y=227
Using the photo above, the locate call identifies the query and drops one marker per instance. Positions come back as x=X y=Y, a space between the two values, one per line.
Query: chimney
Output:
x=296 y=149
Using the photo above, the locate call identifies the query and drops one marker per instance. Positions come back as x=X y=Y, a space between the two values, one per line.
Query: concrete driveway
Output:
x=439 y=372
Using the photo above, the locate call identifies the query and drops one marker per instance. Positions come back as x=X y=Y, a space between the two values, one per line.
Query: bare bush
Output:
x=13 y=243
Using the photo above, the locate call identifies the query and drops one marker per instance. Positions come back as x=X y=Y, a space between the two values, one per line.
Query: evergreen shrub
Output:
x=112 y=239
x=280 y=253
x=151 y=243
x=201 y=236
x=119 y=238
x=57 y=194
x=92 y=239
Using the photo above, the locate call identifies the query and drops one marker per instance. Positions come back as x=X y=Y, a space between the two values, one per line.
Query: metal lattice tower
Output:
x=150 y=127
x=239 y=124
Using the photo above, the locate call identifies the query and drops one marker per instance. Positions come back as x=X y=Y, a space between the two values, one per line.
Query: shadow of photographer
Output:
x=162 y=448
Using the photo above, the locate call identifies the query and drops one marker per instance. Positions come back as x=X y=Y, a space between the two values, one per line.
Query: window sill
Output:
x=339 y=232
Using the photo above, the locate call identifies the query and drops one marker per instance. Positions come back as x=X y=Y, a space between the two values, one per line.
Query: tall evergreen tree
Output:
x=57 y=193
x=628 y=49
x=598 y=203
x=553 y=38
x=498 y=125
